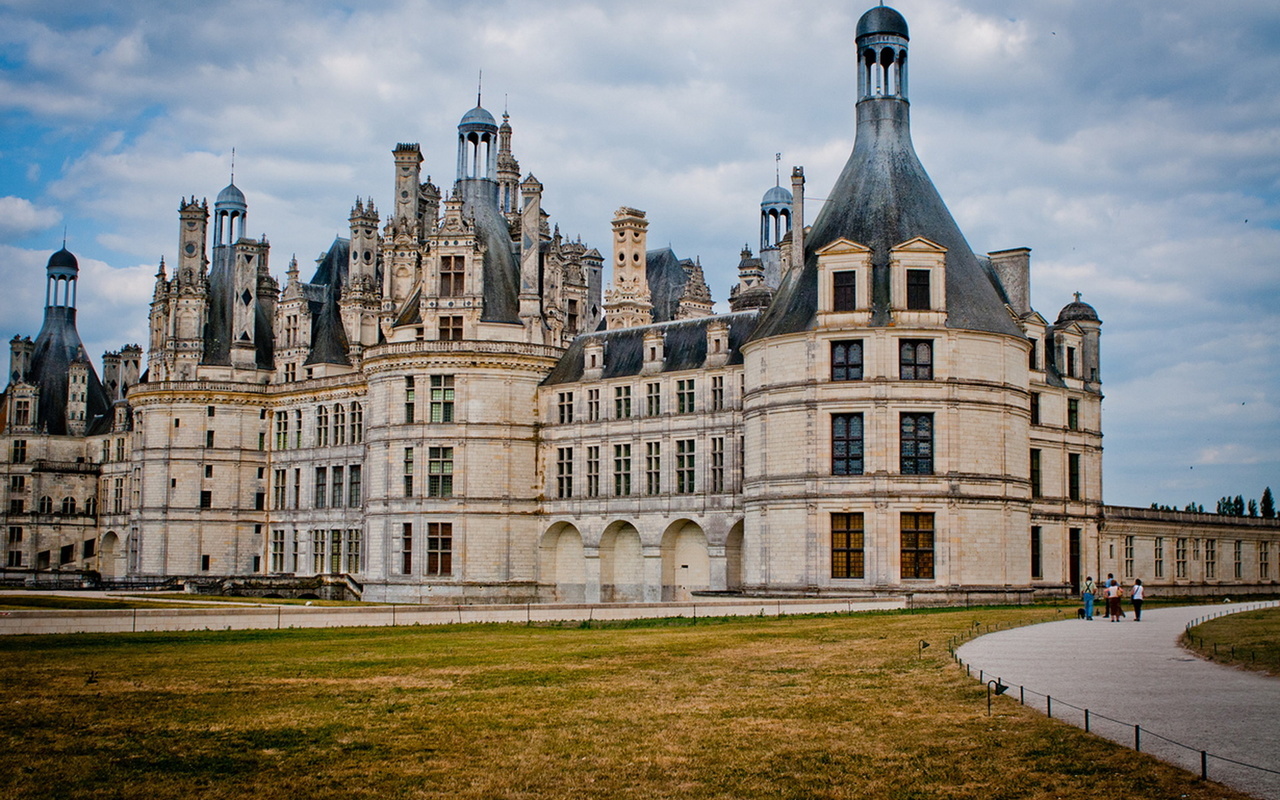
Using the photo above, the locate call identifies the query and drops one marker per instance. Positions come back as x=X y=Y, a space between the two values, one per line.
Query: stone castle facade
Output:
x=455 y=408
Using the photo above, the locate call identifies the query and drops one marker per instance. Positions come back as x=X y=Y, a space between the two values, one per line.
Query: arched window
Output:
x=68 y=506
x=339 y=424
x=46 y=505
x=322 y=426
x=357 y=423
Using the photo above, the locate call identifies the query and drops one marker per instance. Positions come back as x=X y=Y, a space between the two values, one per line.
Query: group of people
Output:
x=1112 y=591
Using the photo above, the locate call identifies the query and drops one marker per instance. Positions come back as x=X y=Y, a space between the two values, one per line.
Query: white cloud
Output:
x=20 y=217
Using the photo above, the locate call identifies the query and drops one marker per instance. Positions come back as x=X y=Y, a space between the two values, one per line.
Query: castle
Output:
x=454 y=408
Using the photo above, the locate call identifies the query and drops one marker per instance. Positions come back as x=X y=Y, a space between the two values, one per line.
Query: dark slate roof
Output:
x=1078 y=310
x=218 y=325
x=501 y=262
x=329 y=343
x=684 y=347
x=882 y=19
x=57 y=345
x=882 y=199
x=665 y=273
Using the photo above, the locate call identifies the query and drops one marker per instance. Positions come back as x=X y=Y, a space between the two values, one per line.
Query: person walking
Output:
x=1113 y=600
x=1137 y=595
x=1090 y=590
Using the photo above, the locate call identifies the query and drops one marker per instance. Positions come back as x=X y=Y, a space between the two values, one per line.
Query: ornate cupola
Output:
x=230 y=212
x=477 y=145
x=882 y=54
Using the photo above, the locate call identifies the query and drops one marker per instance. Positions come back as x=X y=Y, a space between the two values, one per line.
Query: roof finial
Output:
x=479 y=87
x=233 y=166
x=1077 y=297
x=64 y=237
x=777 y=167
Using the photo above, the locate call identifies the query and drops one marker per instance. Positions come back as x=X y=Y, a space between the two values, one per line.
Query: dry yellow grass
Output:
x=800 y=707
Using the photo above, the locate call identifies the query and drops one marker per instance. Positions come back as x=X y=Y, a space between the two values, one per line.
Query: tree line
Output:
x=1234 y=506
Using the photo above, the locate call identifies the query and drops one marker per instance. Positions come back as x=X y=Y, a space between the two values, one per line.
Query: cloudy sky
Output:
x=1135 y=147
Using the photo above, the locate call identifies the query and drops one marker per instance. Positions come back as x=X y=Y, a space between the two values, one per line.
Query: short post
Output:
x=1048 y=706
x=1086 y=720
x=1022 y=695
x=1204 y=766
x=1137 y=738
x=982 y=676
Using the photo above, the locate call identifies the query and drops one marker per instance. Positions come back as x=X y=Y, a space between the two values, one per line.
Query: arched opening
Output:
x=686 y=566
x=562 y=564
x=109 y=560
x=621 y=564
x=733 y=558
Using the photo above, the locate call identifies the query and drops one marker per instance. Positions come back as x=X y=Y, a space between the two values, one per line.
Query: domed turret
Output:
x=1077 y=311
x=478 y=118
x=63 y=264
x=882 y=19
x=775 y=217
x=230 y=196
x=882 y=54
x=230 y=212
x=477 y=145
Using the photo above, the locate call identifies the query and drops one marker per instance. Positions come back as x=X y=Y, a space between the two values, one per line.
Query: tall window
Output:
x=22 y=412
x=15 y=546
x=339 y=424
x=1237 y=559
x=918 y=290
x=440 y=472
x=1035 y=408
x=451 y=275
x=717 y=464
x=915 y=359
x=846 y=360
x=442 y=398
x=686 y=465
x=320 y=487
x=1158 y=564
x=117 y=496
x=621 y=402
x=1071 y=361
x=1210 y=559
x=355 y=490
x=1073 y=476
x=1033 y=361
x=564 y=472
x=593 y=404
x=847 y=543
x=277 y=551
x=1264 y=561
x=206 y=498
x=684 y=396
x=297 y=489
x=844 y=286
x=1180 y=558
x=593 y=471
x=653 y=468
x=355 y=538
x=208 y=439
x=297 y=428
x=440 y=548
x=451 y=329
x=1128 y=556
x=1037 y=567
x=717 y=392
x=652 y=399
x=337 y=495
x=622 y=470
x=1073 y=414
x=278 y=489
x=571 y=317
x=565 y=407
x=19 y=451
x=917 y=444
x=282 y=430
x=406 y=548
x=1036 y=485
x=408 y=472
x=357 y=423
x=410 y=398
x=917 y=546
x=322 y=425
x=846 y=444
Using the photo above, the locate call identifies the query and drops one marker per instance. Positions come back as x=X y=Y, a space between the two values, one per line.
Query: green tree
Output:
x=1268 y=504
x=1253 y=508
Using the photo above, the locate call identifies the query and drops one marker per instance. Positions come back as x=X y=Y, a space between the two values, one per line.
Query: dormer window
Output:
x=918 y=290
x=451 y=275
x=844 y=290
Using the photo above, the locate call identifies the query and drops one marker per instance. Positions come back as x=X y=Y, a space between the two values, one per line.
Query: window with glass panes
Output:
x=355 y=496
x=1128 y=556
x=1037 y=568
x=1073 y=476
x=337 y=495
x=846 y=444
x=1210 y=559
x=277 y=551
x=918 y=290
x=357 y=423
x=452 y=272
x=686 y=465
x=1180 y=558
x=847 y=546
x=339 y=424
x=282 y=430
x=846 y=360
x=1237 y=559
x=318 y=540
x=717 y=393
x=593 y=471
x=652 y=399
x=355 y=542
x=1158 y=562
x=439 y=548
x=621 y=402
x=442 y=398
x=406 y=548
x=622 y=470
x=440 y=472
x=278 y=478
x=916 y=445
x=915 y=359
x=564 y=472
x=717 y=463
x=684 y=396
x=450 y=329
x=844 y=290
x=1073 y=414
x=593 y=405
x=653 y=467
x=564 y=406
x=1264 y=561
x=1036 y=486
x=322 y=426
x=917 y=546
x=320 y=488
x=408 y=472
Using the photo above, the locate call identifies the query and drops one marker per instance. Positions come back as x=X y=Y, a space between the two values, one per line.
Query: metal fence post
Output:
x=1086 y=720
x=1204 y=765
x=1048 y=706
x=1137 y=738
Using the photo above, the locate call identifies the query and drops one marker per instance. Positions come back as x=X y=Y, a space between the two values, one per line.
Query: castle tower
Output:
x=408 y=168
x=508 y=171
x=627 y=303
x=531 y=257
x=775 y=224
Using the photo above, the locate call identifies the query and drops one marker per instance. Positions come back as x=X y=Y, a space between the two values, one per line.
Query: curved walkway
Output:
x=1138 y=674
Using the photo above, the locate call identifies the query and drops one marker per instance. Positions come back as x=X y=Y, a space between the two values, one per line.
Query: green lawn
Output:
x=1250 y=639
x=798 y=707
x=63 y=602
